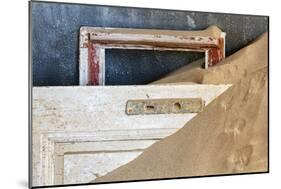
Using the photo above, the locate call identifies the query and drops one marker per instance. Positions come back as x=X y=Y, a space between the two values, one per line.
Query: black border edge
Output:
x=268 y=94
x=29 y=98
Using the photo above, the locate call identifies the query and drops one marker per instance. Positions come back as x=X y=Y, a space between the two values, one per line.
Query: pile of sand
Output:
x=229 y=136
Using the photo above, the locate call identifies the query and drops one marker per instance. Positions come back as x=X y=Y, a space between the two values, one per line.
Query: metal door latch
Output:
x=164 y=106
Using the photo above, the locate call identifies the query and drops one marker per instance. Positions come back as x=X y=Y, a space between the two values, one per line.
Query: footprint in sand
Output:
x=240 y=158
x=236 y=127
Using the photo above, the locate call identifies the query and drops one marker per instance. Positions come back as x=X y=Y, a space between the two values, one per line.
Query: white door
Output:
x=83 y=132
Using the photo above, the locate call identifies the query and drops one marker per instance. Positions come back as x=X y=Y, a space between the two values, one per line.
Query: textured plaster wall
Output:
x=54 y=35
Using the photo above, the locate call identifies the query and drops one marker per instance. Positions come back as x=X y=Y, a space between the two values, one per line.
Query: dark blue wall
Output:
x=55 y=27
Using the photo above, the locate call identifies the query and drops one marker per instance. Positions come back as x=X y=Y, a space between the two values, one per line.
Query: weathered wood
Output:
x=116 y=35
x=74 y=128
x=95 y=40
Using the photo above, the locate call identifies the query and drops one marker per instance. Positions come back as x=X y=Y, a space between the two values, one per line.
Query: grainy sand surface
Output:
x=229 y=136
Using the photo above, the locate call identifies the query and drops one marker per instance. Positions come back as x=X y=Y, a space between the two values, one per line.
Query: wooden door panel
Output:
x=83 y=132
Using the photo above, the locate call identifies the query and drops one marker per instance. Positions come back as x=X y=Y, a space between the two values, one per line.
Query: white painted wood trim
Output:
x=83 y=66
x=69 y=120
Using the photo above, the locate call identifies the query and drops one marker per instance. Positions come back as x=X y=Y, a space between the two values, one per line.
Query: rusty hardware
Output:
x=164 y=106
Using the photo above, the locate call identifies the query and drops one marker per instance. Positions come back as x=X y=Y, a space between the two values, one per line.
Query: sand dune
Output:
x=229 y=136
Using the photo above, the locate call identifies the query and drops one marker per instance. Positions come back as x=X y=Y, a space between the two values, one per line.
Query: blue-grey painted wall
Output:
x=55 y=27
